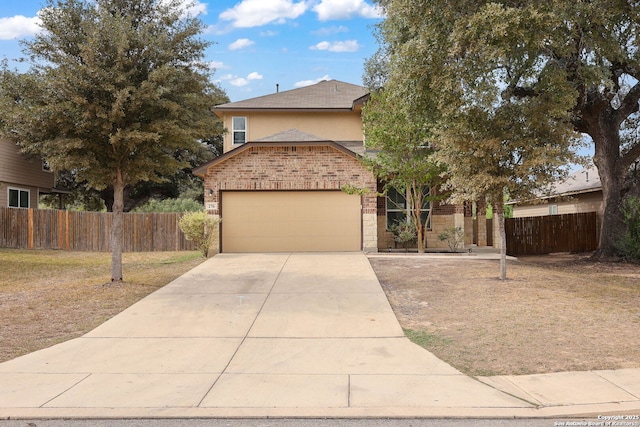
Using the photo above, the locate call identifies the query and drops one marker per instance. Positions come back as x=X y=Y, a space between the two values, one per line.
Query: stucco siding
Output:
x=332 y=126
x=588 y=202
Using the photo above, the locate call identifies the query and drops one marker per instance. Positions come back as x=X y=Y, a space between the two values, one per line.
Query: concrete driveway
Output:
x=304 y=334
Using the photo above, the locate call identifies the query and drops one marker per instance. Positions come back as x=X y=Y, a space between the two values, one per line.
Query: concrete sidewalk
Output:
x=279 y=335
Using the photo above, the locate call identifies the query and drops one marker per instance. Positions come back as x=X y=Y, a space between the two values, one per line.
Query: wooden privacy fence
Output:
x=89 y=231
x=554 y=233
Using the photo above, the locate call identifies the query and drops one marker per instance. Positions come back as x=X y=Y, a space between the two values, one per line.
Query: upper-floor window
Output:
x=239 y=130
x=553 y=209
x=399 y=207
x=18 y=198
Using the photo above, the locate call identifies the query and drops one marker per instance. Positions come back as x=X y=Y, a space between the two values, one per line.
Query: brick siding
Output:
x=292 y=168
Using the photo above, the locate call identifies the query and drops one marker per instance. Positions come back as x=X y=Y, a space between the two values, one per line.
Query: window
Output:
x=239 y=130
x=399 y=209
x=18 y=198
x=553 y=209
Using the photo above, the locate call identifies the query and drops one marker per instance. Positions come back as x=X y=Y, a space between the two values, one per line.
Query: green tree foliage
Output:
x=117 y=93
x=404 y=160
x=200 y=228
x=493 y=152
x=568 y=65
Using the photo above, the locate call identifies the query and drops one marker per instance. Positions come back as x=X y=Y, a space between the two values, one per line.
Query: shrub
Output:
x=200 y=228
x=454 y=237
x=170 y=205
x=404 y=232
x=629 y=245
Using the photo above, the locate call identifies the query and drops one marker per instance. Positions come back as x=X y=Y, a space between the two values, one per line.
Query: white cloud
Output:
x=255 y=13
x=268 y=33
x=216 y=65
x=327 y=31
x=18 y=26
x=344 y=46
x=311 y=82
x=345 y=9
x=241 y=44
x=238 y=81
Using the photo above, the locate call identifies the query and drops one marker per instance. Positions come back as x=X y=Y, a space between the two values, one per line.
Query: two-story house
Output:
x=22 y=178
x=287 y=158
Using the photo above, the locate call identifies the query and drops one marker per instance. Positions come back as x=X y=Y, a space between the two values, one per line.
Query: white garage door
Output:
x=290 y=221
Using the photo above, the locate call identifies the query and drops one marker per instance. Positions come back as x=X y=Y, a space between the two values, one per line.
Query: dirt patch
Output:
x=555 y=313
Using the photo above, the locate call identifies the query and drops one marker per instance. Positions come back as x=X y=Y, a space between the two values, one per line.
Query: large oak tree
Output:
x=546 y=68
x=116 y=88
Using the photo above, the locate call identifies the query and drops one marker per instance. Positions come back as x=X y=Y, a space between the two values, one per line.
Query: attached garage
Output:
x=290 y=221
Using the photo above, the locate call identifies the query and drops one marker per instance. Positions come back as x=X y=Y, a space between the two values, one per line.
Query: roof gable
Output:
x=291 y=137
x=326 y=95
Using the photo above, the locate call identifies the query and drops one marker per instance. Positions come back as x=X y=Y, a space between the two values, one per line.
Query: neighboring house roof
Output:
x=582 y=181
x=326 y=95
x=585 y=180
x=287 y=138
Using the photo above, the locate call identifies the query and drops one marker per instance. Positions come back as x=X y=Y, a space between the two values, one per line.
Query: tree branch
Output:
x=630 y=157
x=523 y=92
x=629 y=104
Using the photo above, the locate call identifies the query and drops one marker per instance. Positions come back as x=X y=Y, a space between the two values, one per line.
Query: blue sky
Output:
x=258 y=43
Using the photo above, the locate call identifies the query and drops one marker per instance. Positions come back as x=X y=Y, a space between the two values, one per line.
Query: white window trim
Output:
x=245 y=131
x=19 y=190
x=553 y=209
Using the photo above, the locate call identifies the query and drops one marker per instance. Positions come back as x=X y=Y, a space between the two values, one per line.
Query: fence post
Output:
x=66 y=231
x=30 y=229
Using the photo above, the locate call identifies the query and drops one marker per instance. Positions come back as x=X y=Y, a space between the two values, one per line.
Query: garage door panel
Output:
x=285 y=221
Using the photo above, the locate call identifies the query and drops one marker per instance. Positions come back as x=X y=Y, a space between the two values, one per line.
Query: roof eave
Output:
x=283 y=110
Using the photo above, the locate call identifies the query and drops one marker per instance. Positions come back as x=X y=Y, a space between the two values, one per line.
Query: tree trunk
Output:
x=608 y=161
x=116 y=227
x=499 y=211
x=415 y=199
x=420 y=238
x=424 y=234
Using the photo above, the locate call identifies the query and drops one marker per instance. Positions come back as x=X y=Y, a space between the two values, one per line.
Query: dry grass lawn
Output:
x=555 y=313
x=47 y=297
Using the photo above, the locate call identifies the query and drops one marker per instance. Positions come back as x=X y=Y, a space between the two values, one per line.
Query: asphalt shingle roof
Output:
x=326 y=95
x=581 y=181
